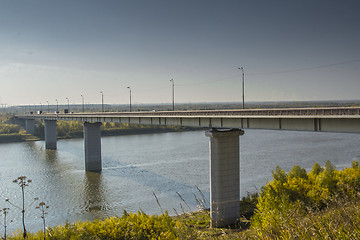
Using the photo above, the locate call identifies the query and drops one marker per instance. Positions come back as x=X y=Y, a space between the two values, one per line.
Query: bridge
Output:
x=225 y=127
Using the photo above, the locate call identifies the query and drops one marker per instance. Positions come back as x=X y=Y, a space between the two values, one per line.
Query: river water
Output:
x=136 y=166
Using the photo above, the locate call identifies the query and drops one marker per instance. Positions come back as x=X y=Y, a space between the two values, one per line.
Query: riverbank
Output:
x=23 y=137
x=17 y=137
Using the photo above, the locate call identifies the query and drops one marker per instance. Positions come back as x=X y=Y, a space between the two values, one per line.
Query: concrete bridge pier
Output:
x=50 y=134
x=224 y=176
x=20 y=121
x=30 y=126
x=92 y=141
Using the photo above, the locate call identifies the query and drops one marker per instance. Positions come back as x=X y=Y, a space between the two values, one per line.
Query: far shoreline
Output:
x=17 y=137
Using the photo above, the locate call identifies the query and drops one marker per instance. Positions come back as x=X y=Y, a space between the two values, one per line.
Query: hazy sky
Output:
x=290 y=50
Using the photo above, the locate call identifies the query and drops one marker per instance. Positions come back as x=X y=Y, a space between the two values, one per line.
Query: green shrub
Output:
x=9 y=128
x=297 y=192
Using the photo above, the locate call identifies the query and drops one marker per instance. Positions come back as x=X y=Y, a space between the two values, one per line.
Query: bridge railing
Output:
x=261 y=112
x=329 y=111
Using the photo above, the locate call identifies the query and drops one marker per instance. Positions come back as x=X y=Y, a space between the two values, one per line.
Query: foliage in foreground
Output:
x=340 y=220
x=322 y=203
x=129 y=226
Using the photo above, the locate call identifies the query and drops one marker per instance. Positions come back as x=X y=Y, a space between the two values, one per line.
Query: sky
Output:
x=304 y=50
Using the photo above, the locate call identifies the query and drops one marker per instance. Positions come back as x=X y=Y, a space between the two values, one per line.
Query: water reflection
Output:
x=94 y=197
x=152 y=179
x=51 y=156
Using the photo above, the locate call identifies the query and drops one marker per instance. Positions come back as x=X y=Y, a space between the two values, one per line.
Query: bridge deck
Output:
x=333 y=119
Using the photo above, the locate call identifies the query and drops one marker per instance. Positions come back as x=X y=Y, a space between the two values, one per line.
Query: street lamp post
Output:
x=68 y=104
x=130 y=97
x=173 y=98
x=57 y=106
x=243 y=88
x=83 y=107
x=102 y=101
x=41 y=107
x=48 y=106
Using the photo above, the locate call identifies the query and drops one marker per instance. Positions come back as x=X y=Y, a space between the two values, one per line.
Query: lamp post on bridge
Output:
x=68 y=104
x=130 y=97
x=173 y=99
x=57 y=106
x=48 y=106
x=102 y=101
x=83 y=107
x=243 y=88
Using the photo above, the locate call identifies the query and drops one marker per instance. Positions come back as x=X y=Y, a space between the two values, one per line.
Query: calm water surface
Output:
x=136 y=166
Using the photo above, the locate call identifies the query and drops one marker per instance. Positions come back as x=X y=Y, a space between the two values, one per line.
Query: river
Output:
x=136 y=166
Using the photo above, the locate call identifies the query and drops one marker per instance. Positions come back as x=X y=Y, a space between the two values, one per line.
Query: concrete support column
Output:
x=30 y=126
x=92 y=141
x=224 y=176
x=50 y=134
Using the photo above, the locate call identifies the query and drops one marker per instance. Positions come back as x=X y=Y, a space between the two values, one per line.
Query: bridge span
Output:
x=225 y=127
x=345 y=119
